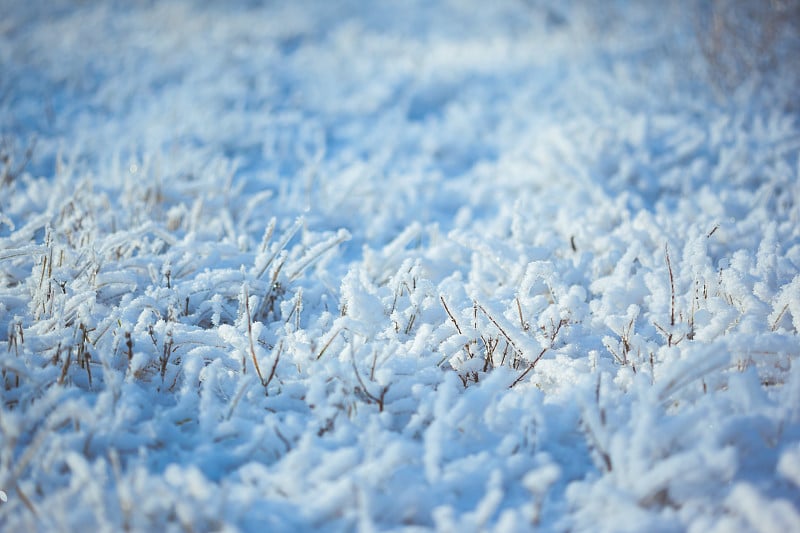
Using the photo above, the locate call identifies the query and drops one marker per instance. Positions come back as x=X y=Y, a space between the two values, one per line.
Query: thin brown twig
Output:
x=274 y=366
x=521 y=318
x=671 y=287
x=452 y=318
x=367 y=393
x=530 y=367
x=499 y=327
x=250 y=335
x=327 y=344
x=455 y=323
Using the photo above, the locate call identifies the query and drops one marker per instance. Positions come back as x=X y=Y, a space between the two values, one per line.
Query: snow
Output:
x=399 y=266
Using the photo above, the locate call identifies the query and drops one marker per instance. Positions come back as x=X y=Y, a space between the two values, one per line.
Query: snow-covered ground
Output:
x=399 y=266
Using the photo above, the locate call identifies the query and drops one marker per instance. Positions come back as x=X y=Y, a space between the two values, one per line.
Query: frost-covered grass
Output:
x=455 y=266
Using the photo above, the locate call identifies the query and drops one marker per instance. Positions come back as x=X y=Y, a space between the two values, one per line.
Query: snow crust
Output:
x=395 y=266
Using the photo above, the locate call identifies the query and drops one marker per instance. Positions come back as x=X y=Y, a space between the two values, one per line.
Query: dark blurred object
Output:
x=743 y=38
